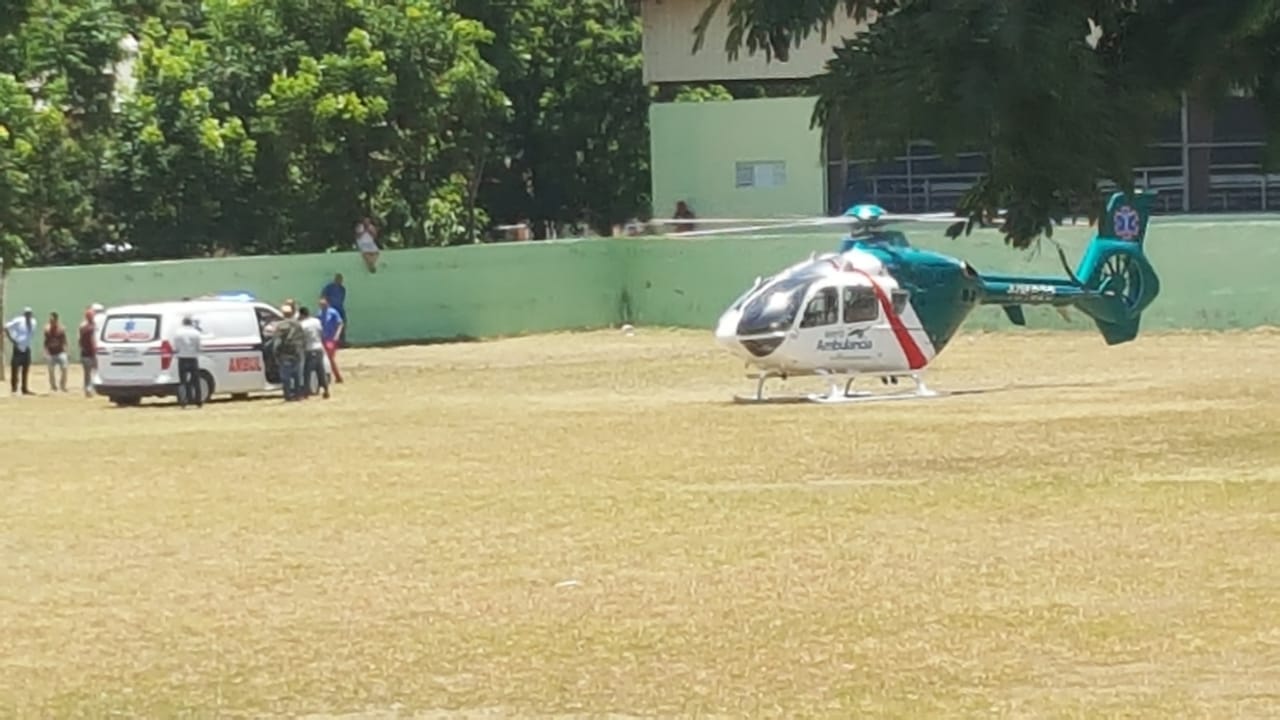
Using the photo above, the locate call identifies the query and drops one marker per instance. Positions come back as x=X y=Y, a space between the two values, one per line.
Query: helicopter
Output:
x=881 y=308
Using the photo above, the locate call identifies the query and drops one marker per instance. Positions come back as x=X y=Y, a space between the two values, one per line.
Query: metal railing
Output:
x=1233 y=186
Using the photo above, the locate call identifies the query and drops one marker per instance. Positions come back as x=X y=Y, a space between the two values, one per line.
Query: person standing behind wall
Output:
x=332 y=327
x=335 y=294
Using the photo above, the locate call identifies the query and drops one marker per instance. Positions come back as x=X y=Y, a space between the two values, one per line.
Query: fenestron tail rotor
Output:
x=1120 y=276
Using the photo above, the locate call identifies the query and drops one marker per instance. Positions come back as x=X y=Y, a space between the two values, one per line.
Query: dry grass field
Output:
x=582 y=525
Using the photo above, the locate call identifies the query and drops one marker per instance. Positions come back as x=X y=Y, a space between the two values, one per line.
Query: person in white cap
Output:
x=21 y=330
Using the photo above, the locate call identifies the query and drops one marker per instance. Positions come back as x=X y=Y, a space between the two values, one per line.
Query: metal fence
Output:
x=924 y=182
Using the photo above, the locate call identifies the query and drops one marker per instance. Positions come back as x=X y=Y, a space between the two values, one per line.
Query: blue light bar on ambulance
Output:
x=240 y=295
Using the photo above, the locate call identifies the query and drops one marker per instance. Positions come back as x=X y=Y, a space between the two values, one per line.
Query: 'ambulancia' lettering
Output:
x=846 y=344
x=246 y=364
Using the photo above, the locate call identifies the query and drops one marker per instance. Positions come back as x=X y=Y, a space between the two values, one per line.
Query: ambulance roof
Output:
x=182 y=306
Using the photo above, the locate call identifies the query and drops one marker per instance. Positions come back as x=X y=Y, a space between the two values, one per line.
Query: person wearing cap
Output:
x=186 y=346
x=291 y=352
x=88 y=351
x=20 y=331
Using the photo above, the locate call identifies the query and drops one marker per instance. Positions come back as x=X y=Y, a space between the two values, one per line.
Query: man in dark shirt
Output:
x=291 y=351
x=55 y=353
x=88 y=352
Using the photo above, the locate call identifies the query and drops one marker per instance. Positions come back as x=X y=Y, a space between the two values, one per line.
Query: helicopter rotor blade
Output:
x=750 y=229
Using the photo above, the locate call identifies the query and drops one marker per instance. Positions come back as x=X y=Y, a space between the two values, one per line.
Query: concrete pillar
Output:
x=1199 y=131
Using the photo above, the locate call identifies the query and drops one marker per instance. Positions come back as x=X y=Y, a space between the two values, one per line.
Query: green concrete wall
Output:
x=473 y=291
x=1214 y=276
x=695 y=147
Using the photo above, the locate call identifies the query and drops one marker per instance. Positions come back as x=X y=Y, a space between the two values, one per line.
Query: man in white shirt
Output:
x=21 y=330
x=186 y=345
x=314 y=362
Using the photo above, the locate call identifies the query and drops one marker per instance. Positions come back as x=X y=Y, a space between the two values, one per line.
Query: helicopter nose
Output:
x=727 y=331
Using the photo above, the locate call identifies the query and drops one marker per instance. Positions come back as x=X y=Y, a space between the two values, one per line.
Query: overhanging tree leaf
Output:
x=1022 y=83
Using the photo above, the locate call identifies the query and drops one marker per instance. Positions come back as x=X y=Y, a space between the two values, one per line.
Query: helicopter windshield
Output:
x=776 y=307
x=737 y=304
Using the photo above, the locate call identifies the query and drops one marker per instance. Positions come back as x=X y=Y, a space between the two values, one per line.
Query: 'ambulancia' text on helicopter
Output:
x=882 y=308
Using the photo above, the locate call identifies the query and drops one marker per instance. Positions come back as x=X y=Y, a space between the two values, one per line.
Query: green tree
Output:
x=182 y=165
x=1022 y=82
x=577 y=146
x=273 y=126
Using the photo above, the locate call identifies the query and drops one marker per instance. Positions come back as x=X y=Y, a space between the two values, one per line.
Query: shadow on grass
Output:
x=160 y=403
x=386 y=344
x=902 y=397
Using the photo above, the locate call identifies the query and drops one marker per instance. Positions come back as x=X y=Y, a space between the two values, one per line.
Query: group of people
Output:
x=301 y=342
x=22 y=332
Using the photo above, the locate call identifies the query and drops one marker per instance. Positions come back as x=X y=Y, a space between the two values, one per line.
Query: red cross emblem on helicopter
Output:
x=1128 y=224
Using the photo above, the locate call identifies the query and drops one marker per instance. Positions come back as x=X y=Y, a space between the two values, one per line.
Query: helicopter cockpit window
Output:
x=775 y=308
x=760 y=282
x=823 y=309
x=860 y=305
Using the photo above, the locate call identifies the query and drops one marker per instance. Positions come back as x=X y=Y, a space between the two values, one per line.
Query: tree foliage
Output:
x=576 y=150
x=272 y=126
x=1023 y=83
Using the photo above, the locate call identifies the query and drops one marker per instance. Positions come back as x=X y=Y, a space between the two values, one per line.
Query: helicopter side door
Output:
x=861 y=346
x=819 y=322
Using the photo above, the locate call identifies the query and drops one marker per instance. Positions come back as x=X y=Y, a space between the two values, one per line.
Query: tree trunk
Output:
x=4 y=335
x=473 y=192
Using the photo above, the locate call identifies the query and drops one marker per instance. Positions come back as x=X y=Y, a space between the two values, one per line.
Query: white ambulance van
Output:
x=136 y=358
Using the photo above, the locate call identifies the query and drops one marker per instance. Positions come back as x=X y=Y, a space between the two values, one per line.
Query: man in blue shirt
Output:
x=335 y=293
x=331 y=328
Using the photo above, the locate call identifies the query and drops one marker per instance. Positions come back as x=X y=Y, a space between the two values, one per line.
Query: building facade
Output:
x=761 y=157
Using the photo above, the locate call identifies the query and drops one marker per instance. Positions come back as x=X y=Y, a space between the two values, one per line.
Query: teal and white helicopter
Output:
x=881 y=308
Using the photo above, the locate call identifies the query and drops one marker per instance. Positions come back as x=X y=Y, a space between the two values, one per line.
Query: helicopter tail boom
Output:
x=1113 y=285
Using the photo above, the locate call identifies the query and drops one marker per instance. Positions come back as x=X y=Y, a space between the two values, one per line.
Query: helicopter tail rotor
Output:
x=1115 y=270
x=1113 y=285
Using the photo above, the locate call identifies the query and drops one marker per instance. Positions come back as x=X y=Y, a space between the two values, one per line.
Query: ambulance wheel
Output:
x=206 y=386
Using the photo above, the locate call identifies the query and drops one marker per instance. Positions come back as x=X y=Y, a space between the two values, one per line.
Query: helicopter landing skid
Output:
x=838 y=395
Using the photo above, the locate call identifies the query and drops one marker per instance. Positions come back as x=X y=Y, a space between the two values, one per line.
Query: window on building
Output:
x=761 y=174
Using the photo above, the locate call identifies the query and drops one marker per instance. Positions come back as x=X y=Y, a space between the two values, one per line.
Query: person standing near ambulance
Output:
x=314 y=362
x=291 y=353
x=88 y=350
x=332 y=326
x=186 y=345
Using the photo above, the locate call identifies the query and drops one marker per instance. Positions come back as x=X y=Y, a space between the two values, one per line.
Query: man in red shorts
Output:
x=331 y=326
